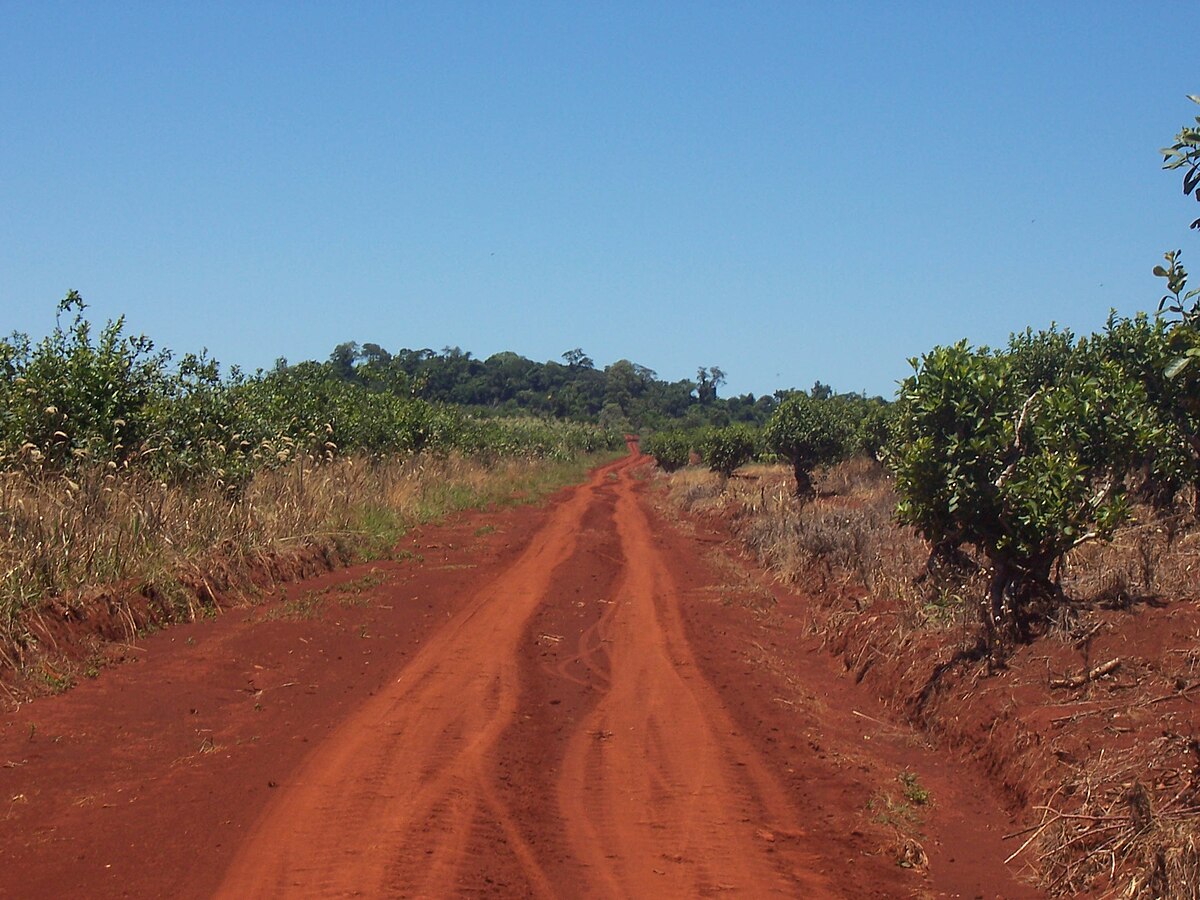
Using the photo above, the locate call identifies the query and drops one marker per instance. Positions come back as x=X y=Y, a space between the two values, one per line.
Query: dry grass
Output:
x=1154 y=556
x=846 y=537
x=1112 y=835
x=58 y=536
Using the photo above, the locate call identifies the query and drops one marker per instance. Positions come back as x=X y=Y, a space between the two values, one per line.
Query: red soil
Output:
x=579 y=700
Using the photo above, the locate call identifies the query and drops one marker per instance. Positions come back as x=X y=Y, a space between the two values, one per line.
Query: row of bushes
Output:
x=113 y=399
x=806 y=430
x=1021 y=453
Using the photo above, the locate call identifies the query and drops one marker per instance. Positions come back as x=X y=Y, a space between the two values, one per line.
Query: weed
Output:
x=913 y=791
x=306 y=606
x=898 y=814
x=57 y=682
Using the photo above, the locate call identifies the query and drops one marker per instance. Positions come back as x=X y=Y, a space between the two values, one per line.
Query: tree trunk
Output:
x=997 y=612
x=1012 y=590
x=1194 y=440
x=804 y=485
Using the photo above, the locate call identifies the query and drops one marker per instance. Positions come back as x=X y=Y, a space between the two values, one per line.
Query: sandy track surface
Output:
x=547 y=703
x=656 y=792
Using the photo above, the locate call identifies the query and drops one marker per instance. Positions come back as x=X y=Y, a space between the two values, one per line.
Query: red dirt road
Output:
x=548 y=704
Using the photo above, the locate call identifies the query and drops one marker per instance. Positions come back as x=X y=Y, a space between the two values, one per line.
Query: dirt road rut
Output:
x=655 y=793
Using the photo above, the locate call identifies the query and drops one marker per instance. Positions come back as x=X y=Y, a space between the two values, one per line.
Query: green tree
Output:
x=726 y=449
x=809 y=431
x=670 y=449
x=708 y=379
x=1024 y=472
x=578 y=359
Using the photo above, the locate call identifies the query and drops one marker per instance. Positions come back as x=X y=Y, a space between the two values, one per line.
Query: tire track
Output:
x=672 y=802
x=606 y=768
x=387 y=804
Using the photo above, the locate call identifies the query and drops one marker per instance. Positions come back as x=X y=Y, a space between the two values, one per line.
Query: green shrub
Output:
x=70 y=398
x=1023 y=471
x=1143 y=349
x=725 y=449
x=670 y=449
x=808 y=432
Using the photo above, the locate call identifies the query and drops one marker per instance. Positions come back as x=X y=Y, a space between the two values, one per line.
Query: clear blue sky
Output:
x=791 y=191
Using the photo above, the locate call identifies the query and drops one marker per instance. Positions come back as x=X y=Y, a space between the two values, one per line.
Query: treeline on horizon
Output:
x=622 y=396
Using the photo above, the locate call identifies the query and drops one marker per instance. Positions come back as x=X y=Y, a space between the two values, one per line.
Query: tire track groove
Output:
x=640 y=784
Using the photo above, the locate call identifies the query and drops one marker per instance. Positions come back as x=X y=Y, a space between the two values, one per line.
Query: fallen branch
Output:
x=855 y=712
x=1036 y=829
x=1112 y=707
x=1090 y=675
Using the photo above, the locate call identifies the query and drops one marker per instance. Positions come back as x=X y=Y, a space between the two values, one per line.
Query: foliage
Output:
x=875 y=426
x=70 y=398
x=1184 y=336
x=75 y=398
x=726 y=449
x=1185 y=154
x=1022 y=468
x=1186 y=305
x=1143 y=349
x=809 y=431
x=1178 y=299
x=707 y=382
x=670 y=449
x=621 y=395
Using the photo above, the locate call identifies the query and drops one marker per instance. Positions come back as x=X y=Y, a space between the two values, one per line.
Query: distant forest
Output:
x=623 y=395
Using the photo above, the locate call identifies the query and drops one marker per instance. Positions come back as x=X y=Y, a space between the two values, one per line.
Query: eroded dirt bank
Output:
x=572 y=701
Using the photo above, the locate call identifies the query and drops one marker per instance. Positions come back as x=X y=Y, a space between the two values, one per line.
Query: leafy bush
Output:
x=69 y=398
x=808 y=432
x=725 y=449
x=1143 y=348
x=874 y=427
x=1024 y=471
x=670 y=449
